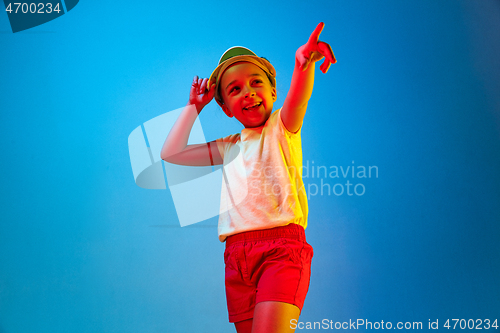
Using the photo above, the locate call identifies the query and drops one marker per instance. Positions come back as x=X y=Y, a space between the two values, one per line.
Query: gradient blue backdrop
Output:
x=414 y=92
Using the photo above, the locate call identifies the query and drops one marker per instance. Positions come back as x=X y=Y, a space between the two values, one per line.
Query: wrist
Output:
x=197 y=106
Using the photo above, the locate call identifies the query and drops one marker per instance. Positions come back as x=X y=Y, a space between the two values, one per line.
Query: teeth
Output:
x=252 y=106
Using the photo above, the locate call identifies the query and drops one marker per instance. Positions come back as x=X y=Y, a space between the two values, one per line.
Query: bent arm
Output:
x=176 y=150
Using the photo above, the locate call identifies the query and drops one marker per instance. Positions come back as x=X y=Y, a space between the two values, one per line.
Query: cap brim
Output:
x=258 y=61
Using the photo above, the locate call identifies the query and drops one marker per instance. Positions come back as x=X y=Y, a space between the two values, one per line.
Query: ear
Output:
x=274 y=94
x=226 y=110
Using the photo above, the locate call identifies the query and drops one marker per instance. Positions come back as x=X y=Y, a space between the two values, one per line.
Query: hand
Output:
x=314 y=50
x=199 y=95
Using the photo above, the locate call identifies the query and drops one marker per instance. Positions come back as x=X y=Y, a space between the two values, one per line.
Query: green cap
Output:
x=239 y=54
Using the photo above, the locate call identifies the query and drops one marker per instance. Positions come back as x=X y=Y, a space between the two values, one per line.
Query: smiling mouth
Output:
x=252 y=107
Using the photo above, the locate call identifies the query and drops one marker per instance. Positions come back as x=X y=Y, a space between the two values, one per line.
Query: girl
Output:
x=263 y=203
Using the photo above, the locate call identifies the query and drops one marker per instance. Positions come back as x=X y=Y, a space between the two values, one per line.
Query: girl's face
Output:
x=247 y=94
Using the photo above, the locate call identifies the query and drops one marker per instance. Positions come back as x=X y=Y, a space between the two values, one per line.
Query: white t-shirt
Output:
x=262 y=183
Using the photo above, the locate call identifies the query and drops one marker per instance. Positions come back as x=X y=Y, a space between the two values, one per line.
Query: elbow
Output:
x=169 y=157
x=165 y=156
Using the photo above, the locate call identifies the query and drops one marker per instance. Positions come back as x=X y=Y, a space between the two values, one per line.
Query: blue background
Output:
x=414 y=92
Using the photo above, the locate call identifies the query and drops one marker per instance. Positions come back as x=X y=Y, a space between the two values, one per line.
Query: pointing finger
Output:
x=313 y=39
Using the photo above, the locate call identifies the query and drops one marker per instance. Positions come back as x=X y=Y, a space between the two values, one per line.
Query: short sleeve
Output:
x=283 y=128
x=223 y=144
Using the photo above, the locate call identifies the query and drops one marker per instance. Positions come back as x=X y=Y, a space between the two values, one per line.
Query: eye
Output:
x=234 y=88
x=257 y=81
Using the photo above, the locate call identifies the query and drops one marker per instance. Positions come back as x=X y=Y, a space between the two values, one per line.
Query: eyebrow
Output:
x=230 y=83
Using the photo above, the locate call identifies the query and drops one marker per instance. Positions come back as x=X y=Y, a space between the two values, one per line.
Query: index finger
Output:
x=313 y=39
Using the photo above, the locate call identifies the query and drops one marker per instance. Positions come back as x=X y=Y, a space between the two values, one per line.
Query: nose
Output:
x=249 y=91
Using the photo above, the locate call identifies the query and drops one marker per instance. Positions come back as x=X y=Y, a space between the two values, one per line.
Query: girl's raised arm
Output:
x=175 y=149
x=295 y=105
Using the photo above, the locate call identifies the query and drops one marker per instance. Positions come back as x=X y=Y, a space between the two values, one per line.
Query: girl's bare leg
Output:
x=274 y=317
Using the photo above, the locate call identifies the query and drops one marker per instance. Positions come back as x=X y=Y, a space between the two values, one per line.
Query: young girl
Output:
x=263 y=203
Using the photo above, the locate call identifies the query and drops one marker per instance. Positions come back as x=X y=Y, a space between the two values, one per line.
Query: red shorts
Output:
x=266 y=265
